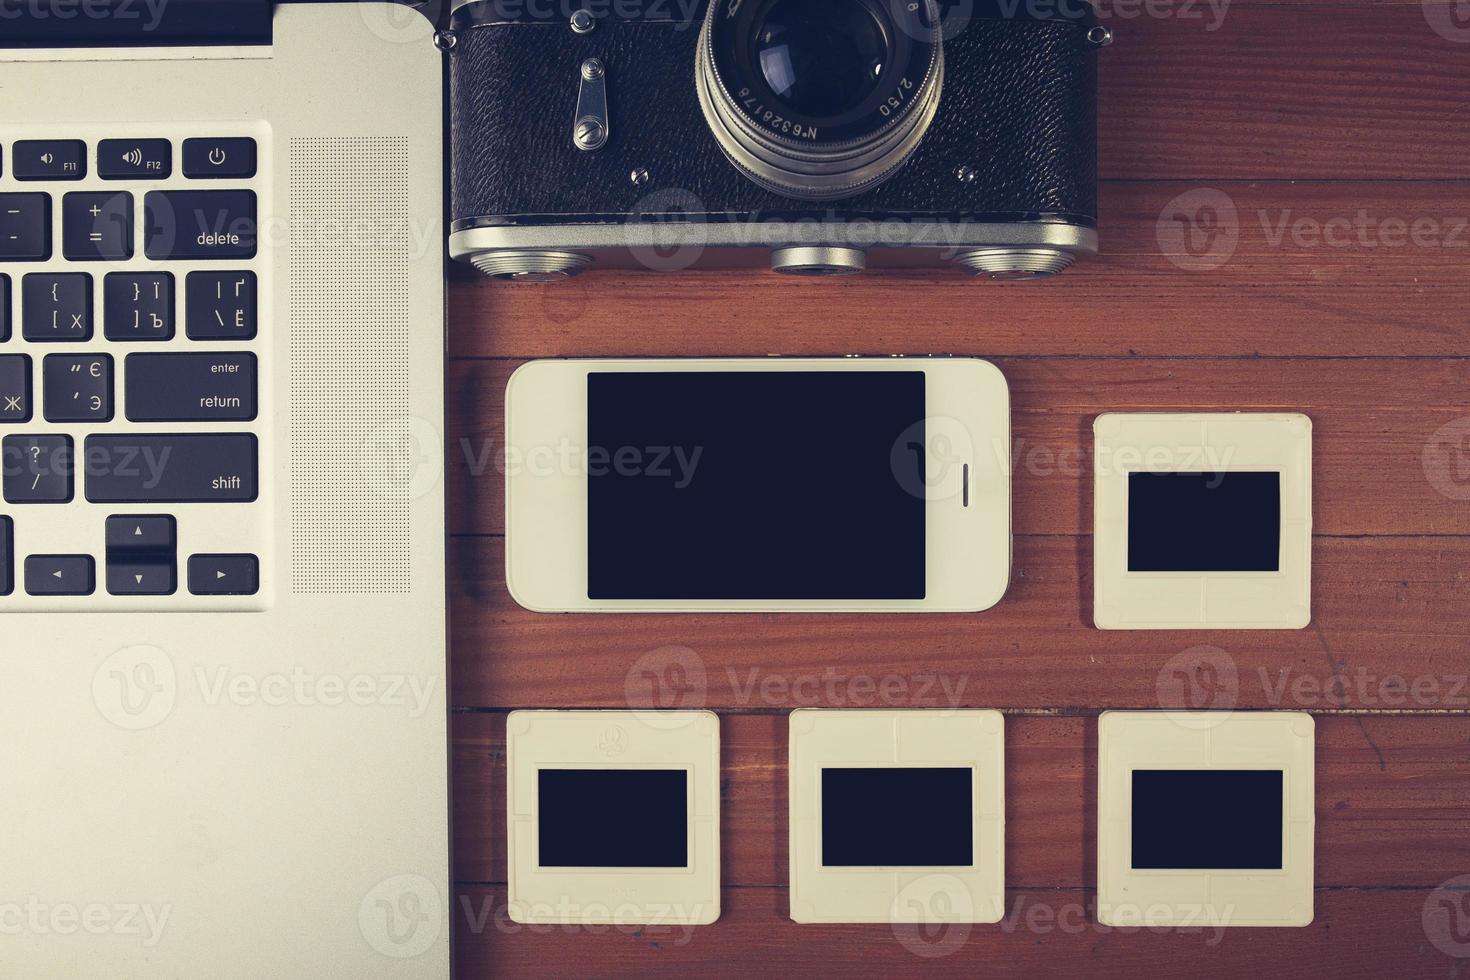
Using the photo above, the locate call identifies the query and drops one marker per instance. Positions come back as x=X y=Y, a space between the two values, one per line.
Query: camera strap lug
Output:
x=591 y=128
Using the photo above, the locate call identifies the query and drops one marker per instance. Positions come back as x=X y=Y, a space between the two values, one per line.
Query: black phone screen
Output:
x=756 y=485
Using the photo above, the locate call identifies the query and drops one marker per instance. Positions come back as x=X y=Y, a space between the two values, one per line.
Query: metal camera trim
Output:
x=812 y=172
x=995 y=250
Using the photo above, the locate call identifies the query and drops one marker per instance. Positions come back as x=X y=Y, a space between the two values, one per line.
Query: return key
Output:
x=214 y=387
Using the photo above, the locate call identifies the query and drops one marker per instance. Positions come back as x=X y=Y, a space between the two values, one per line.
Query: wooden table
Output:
x=1316 y=156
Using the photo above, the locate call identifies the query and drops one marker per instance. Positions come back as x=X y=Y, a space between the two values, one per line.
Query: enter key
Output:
x=193 y=387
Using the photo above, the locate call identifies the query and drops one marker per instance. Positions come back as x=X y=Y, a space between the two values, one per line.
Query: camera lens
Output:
x=819 y=99
x=821 y=57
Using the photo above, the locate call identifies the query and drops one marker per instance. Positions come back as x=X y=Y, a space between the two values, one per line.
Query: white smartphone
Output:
x=758 y=485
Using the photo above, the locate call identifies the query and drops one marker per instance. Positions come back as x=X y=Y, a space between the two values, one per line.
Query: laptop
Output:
x=222 y=594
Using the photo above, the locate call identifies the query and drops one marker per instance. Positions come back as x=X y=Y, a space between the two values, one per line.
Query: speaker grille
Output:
x=350 y=445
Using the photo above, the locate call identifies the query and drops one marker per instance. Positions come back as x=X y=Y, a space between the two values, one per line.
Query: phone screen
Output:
x=756 y=485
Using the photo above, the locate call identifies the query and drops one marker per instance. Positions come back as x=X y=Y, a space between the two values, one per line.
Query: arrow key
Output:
x=48 y=575
x=155 y=578
x=140 y=555
x=140 y=532
x=224 y=574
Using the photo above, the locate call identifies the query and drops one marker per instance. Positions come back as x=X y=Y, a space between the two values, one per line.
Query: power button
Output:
x=219 y=157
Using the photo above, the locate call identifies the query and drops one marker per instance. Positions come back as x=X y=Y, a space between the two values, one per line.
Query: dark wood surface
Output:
x=1338 y=133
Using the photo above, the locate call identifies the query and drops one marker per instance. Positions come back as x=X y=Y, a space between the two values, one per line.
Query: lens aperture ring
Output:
x=819 y=159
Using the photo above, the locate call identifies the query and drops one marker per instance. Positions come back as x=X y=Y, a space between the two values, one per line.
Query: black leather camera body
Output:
x=824 y=136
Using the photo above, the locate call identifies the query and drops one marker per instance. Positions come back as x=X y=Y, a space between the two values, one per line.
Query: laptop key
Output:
x=220 y=156
x=224 y=575
x=49 y=160
x=56 y=307
x=15 y=388
x=77 y=388
x=61 y=575
x=25 y=227
x=206 y=468
x=220 y=305
x=148 y=578
x=138 y=307
x=97 y=227
x=7 y=555
x=215 y=387
x=134 y=533
x=141 y=555
x=199 y=225
x=37 y=469
x=151 y=159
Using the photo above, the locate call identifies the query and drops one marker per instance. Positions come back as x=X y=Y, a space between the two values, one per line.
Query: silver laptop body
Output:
x=225 y=754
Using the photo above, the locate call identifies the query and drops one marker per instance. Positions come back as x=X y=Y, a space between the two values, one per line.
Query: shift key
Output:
x=194 y=387
x=199 y=225
x=193 y=468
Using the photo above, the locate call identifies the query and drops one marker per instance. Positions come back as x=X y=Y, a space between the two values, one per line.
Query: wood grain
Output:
x=1382 y=607
x=1285 y=222
x=1290 y=91
x=1371 y=433
x=1356 y=934
x=1277 y=269
x=1393 y=799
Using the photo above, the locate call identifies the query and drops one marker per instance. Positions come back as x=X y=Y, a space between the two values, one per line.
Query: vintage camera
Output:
x=829 y=135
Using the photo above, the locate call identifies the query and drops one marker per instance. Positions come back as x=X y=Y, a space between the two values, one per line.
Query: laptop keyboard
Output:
x=133 y=370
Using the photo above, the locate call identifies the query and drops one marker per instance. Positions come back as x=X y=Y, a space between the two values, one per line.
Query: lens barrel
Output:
x=819 y=99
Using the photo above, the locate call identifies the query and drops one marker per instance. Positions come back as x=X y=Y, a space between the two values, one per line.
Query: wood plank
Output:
x=1277 y=269
x=1285 y=92
x=1381 y=606
x=1356 y=934
x=1393 y=798
x=1372 y=422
